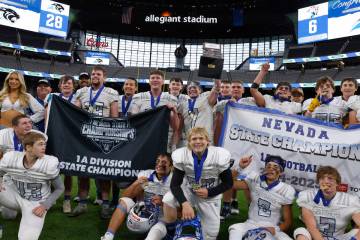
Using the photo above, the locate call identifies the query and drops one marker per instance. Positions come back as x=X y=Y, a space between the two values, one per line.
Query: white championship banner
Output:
x=305 y=144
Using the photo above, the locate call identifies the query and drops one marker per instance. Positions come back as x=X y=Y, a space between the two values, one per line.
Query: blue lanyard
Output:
x=323 y=100
x=271 y=185
x=93 y=100
x=191 y=104
x=153 y=103
x=125 y=108
x=320 y=196
x=69 y=98
x=151 y=177
x=198 y=166
x=17 y=144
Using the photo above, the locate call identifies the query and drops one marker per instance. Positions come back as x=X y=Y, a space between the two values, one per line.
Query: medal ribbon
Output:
x=93 y=100
x=320 y=196
x=191 y=104
x=271 y=185
x=69 y=98
x=153 y=103
x=151 y=177
x=17 y=144
x=125 y=108
x=198 y=165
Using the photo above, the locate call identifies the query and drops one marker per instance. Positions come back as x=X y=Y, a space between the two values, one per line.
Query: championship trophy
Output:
x=211 y=62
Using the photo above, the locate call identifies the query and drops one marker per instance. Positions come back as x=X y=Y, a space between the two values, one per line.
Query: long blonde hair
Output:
x=22 y=96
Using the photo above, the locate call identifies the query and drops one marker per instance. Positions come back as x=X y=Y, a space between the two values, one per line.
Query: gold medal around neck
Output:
x=195 y=186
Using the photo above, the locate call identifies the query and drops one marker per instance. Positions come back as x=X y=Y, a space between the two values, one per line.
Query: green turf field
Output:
x=89 y=226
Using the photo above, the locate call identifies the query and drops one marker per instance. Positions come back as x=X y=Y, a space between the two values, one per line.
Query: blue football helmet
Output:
x=195 y=224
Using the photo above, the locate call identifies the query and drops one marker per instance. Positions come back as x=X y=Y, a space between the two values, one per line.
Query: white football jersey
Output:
x=202 y=116
x=220 y=106
x=306 y=104
x=333 y=219
x=331 y=112
x=286 y=107
x=33 y=184
x=182 y=98
x=353 y=103
x=49 y=98
x=142 y=102
x=120 y=105
x=7 y=139
x=102 y=104
x=156 y=186
x=217 y=161
x=265 y=206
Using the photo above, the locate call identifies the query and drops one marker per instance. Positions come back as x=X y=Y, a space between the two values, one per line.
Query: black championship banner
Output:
x=107 y=148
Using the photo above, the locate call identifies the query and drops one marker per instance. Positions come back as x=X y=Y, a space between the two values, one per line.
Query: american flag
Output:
x=126 y=15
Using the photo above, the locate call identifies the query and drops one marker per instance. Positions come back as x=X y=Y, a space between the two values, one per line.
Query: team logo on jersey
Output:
x=108 y=134
x=9 y=14
x=57 y=7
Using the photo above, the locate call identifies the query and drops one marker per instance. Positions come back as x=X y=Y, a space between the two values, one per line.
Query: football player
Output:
x=175 y=88
x=325 y=106
x=67 y=87
x=101 y=101
x=155 y=98
x=26 y=184
x=198 y=110
x=130 y=88
x=327 y=212
x=225 y=90
x=271 y=200
x=281 y=99
x=151 y=185
x=206 y=175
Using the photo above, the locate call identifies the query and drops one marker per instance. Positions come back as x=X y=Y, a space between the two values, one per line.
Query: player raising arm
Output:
x=327 y=212
x=26 y=179
x=270 y=200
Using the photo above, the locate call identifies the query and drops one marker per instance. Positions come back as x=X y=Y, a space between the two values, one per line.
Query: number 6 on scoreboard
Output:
x=313 y=26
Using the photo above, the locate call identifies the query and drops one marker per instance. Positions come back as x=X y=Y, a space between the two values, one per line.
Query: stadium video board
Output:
x=43 y=16
x=329 y=20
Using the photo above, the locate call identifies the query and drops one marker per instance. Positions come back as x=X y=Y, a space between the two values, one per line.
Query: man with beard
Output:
x=271 y=200
x=281 y=99
x=150 y=187
x=100 y=101
x=327 y=212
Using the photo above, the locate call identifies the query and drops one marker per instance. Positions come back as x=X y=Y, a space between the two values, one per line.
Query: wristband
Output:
x=255 y=85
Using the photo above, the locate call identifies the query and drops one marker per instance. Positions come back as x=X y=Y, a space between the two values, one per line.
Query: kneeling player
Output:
x=326 y=212
x=207 y=175
x=151 y=185
x=26 y=184
x=269 y=198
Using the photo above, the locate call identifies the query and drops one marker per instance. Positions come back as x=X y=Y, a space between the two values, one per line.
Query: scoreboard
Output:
x=43 y=16
x=329 y=20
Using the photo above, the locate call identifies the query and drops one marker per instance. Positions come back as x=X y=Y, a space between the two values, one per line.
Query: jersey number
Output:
x=327 y=226
x=264 y=208
x=33 y=193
